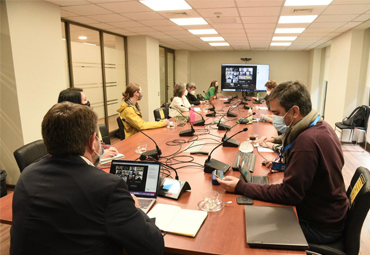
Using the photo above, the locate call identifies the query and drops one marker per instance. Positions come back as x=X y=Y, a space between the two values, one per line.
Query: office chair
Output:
x=166 y=107
x=159 y=114
x=30 y=153
x=358 y=194
x=121 y=128
x=104 y=133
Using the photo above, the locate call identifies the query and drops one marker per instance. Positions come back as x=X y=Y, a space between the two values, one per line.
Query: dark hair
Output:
x=179 y=89
x=130 y=91
x=191 y=85
x=271 y=84
x=71 y=95
x=67 y=127
x=292 y=93
x=213 y=84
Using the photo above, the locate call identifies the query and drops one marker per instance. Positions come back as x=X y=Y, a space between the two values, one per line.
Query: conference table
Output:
x=223 y=232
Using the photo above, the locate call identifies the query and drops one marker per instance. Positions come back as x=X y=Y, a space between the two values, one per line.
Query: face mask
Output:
x=87 y=104
x=192 y=92
x=100 y=156
x=186 y=92
x=141 y=96
x=279 y=123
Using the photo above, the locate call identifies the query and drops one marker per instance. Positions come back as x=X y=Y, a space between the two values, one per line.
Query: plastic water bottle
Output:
x=192 y=115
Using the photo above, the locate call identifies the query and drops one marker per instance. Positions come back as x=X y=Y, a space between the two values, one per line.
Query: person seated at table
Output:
x=179 y=102
x=190 y=87
x=130 y=111
x=212 y=91
x=270 y=86
x=64 y=204
x=77 y=96
x=312 y=153
x=273 y=143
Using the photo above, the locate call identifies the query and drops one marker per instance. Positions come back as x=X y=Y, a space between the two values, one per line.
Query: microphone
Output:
x=233 y=114
x=213 y=164
x=222 y=126
x=152 y=153
x=187 y=132
x=228 y=142
x=213 y=107
x=245 y=119
x=198 y=122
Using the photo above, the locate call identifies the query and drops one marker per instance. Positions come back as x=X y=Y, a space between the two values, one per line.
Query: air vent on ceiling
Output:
x=178 y=13
x=302 y=11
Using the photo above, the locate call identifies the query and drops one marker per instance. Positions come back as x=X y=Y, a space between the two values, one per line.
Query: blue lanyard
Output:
x=292 y=143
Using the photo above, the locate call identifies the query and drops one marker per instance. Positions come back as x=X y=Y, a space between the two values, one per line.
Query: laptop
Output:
x=273 y=227
x=142 y=179
x=248 y=177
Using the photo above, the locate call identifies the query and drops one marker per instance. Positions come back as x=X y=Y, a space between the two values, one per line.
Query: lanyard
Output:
x=285 y=148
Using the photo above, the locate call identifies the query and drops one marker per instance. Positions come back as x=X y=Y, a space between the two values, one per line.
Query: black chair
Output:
x=359 y=207
x=166 y=107
x=104 y=133
x=30 y=153
x=159 y=114
x=121 y=128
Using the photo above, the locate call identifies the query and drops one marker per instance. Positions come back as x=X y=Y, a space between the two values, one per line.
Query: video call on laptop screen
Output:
x=141 y=178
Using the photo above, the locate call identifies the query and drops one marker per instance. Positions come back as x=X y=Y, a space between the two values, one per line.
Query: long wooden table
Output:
x=223 y=232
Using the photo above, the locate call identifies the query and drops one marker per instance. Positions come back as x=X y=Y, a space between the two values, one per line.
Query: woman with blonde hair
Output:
x=179 y=102
x=130 y=111
x=212 y=90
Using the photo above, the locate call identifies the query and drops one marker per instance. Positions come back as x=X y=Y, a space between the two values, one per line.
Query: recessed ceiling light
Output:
x=284 y=38
x=189 y=21
x=82 y=37
x=280 y=43
x=306 y=2
x=289 y=30
x=297 y=19
x=219 y=44
x=212 y=39
x=203 y=31
x=166 y=5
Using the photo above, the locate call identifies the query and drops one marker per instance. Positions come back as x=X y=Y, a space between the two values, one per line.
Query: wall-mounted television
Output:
x=244 y=77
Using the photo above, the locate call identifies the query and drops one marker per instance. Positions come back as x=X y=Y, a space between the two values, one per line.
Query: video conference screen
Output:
x=244 y=77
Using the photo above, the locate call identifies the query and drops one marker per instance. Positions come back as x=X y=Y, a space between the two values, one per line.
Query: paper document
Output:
x=264 y=149
x=108 y=160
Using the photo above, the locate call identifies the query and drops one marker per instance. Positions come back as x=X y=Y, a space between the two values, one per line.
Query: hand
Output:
x=136 y=201
x=264 y=140
x=166 y=121
x=111 y=152
x=228 y=183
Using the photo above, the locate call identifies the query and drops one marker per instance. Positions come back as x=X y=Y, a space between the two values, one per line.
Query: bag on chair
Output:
x=357 y=117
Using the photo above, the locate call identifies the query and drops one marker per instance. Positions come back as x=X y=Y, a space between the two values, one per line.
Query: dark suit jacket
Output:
x=192 y=99
x=62 y=205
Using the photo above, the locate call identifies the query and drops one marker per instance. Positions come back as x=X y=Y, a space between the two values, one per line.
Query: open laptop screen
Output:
x=141 y=177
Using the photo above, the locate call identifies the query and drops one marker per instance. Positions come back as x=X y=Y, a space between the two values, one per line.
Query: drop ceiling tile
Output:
x=227 y=26
x=108 y=17
x=279 y=48
x=169 y=28
x=349 y=2
x=157 y=22
x=313 y=34
x=259 y=11
x=224 y=21
x=271 y=25
x=122 y=7
x=224 y=12
x=66 y=14
x=186 y=36
x=248 y=3
x=177 y=32
x=302 y=10
x=196 y=27
x=320 y=30
x=230 y=31
x=363 y=17
x=347 y=9
x=142 y=15
x=327 y=24
x=103 y=26
x=86 y=9
x=296 y=25
x=104 y=1
x=352 y=24
x=121 y=31
x=68 y=3
x=125 y=24
x=179 y=14
x=154 y=33
x=140 y=29
x=335 y=18
x=83 y=20
x=250 y=20
x=211 y=3
x=260 y=36
x=259 y=31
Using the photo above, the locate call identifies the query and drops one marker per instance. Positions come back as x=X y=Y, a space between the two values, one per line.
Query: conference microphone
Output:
x=228 y=142
x=198 y=122
x=213 y=107
x=213 y=164
x=245 y=119
x=152 y=153
x=222 y=126
x=233 y=114
x=188 y=132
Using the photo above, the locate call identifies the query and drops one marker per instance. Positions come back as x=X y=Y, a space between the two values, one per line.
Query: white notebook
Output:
x=173 y=219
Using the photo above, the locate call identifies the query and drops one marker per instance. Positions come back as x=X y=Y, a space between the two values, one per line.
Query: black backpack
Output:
x=357 y=118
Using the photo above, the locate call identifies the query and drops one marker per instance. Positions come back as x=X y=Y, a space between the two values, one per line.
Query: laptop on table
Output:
x=142 y=179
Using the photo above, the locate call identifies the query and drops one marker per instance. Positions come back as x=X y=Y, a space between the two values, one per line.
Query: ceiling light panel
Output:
x=189 y=21
x=203 y=32
x=297 y=19
x=212 y=39
x=219 y=44
x=306 y=2
x=289 y=30
x=166 y=5
x=280 y=43
x=284 y=38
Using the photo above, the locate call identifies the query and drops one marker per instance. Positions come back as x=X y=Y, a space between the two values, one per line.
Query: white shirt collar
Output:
x=87 y=161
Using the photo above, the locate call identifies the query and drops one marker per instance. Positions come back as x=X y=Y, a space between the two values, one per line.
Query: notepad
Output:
x=173 y=219
x=108 y=160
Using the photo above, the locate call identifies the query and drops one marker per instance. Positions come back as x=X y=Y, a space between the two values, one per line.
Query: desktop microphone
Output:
x=152 y=153
x=245 y=119
x=213 y=107
x=222 y=126
x=188 y=132
x=198 y=122
x=213 y=164
x=228 y=142
x=233 y=114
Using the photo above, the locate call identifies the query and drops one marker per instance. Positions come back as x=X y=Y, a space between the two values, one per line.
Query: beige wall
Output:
x=34 y=71
x=284 y=65
x=182 y=66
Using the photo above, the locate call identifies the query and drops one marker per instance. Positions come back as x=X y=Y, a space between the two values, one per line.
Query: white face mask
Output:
x=279 y=123
x=192 y=92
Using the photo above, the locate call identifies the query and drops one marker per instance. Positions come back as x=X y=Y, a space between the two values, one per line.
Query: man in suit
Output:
x=64 y=204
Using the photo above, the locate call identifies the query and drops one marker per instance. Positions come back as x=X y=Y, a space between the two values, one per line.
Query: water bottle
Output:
x=258 y=96
x=192 y=114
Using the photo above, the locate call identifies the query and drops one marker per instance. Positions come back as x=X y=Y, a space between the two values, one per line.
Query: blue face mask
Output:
x=100 y=155
x=279 y=123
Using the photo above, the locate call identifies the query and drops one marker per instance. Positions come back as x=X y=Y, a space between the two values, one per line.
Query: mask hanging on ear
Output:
x=100 y=156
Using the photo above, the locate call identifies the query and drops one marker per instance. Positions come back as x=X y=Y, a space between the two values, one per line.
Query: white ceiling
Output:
x=244 y=24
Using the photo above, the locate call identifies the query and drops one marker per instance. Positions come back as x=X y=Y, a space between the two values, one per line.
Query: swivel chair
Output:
x=30 y=153
x=159 y=114
x=358 y=194
x=104 y=133
x=121 y=128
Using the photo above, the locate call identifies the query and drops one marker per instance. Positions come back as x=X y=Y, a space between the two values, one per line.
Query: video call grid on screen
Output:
x=244 y=77
x=141 y=179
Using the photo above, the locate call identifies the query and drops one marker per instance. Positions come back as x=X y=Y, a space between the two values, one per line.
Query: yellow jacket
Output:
x=132 y=115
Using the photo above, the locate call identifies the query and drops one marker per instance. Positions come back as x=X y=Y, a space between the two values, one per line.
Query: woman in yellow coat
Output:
x=130 y=111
